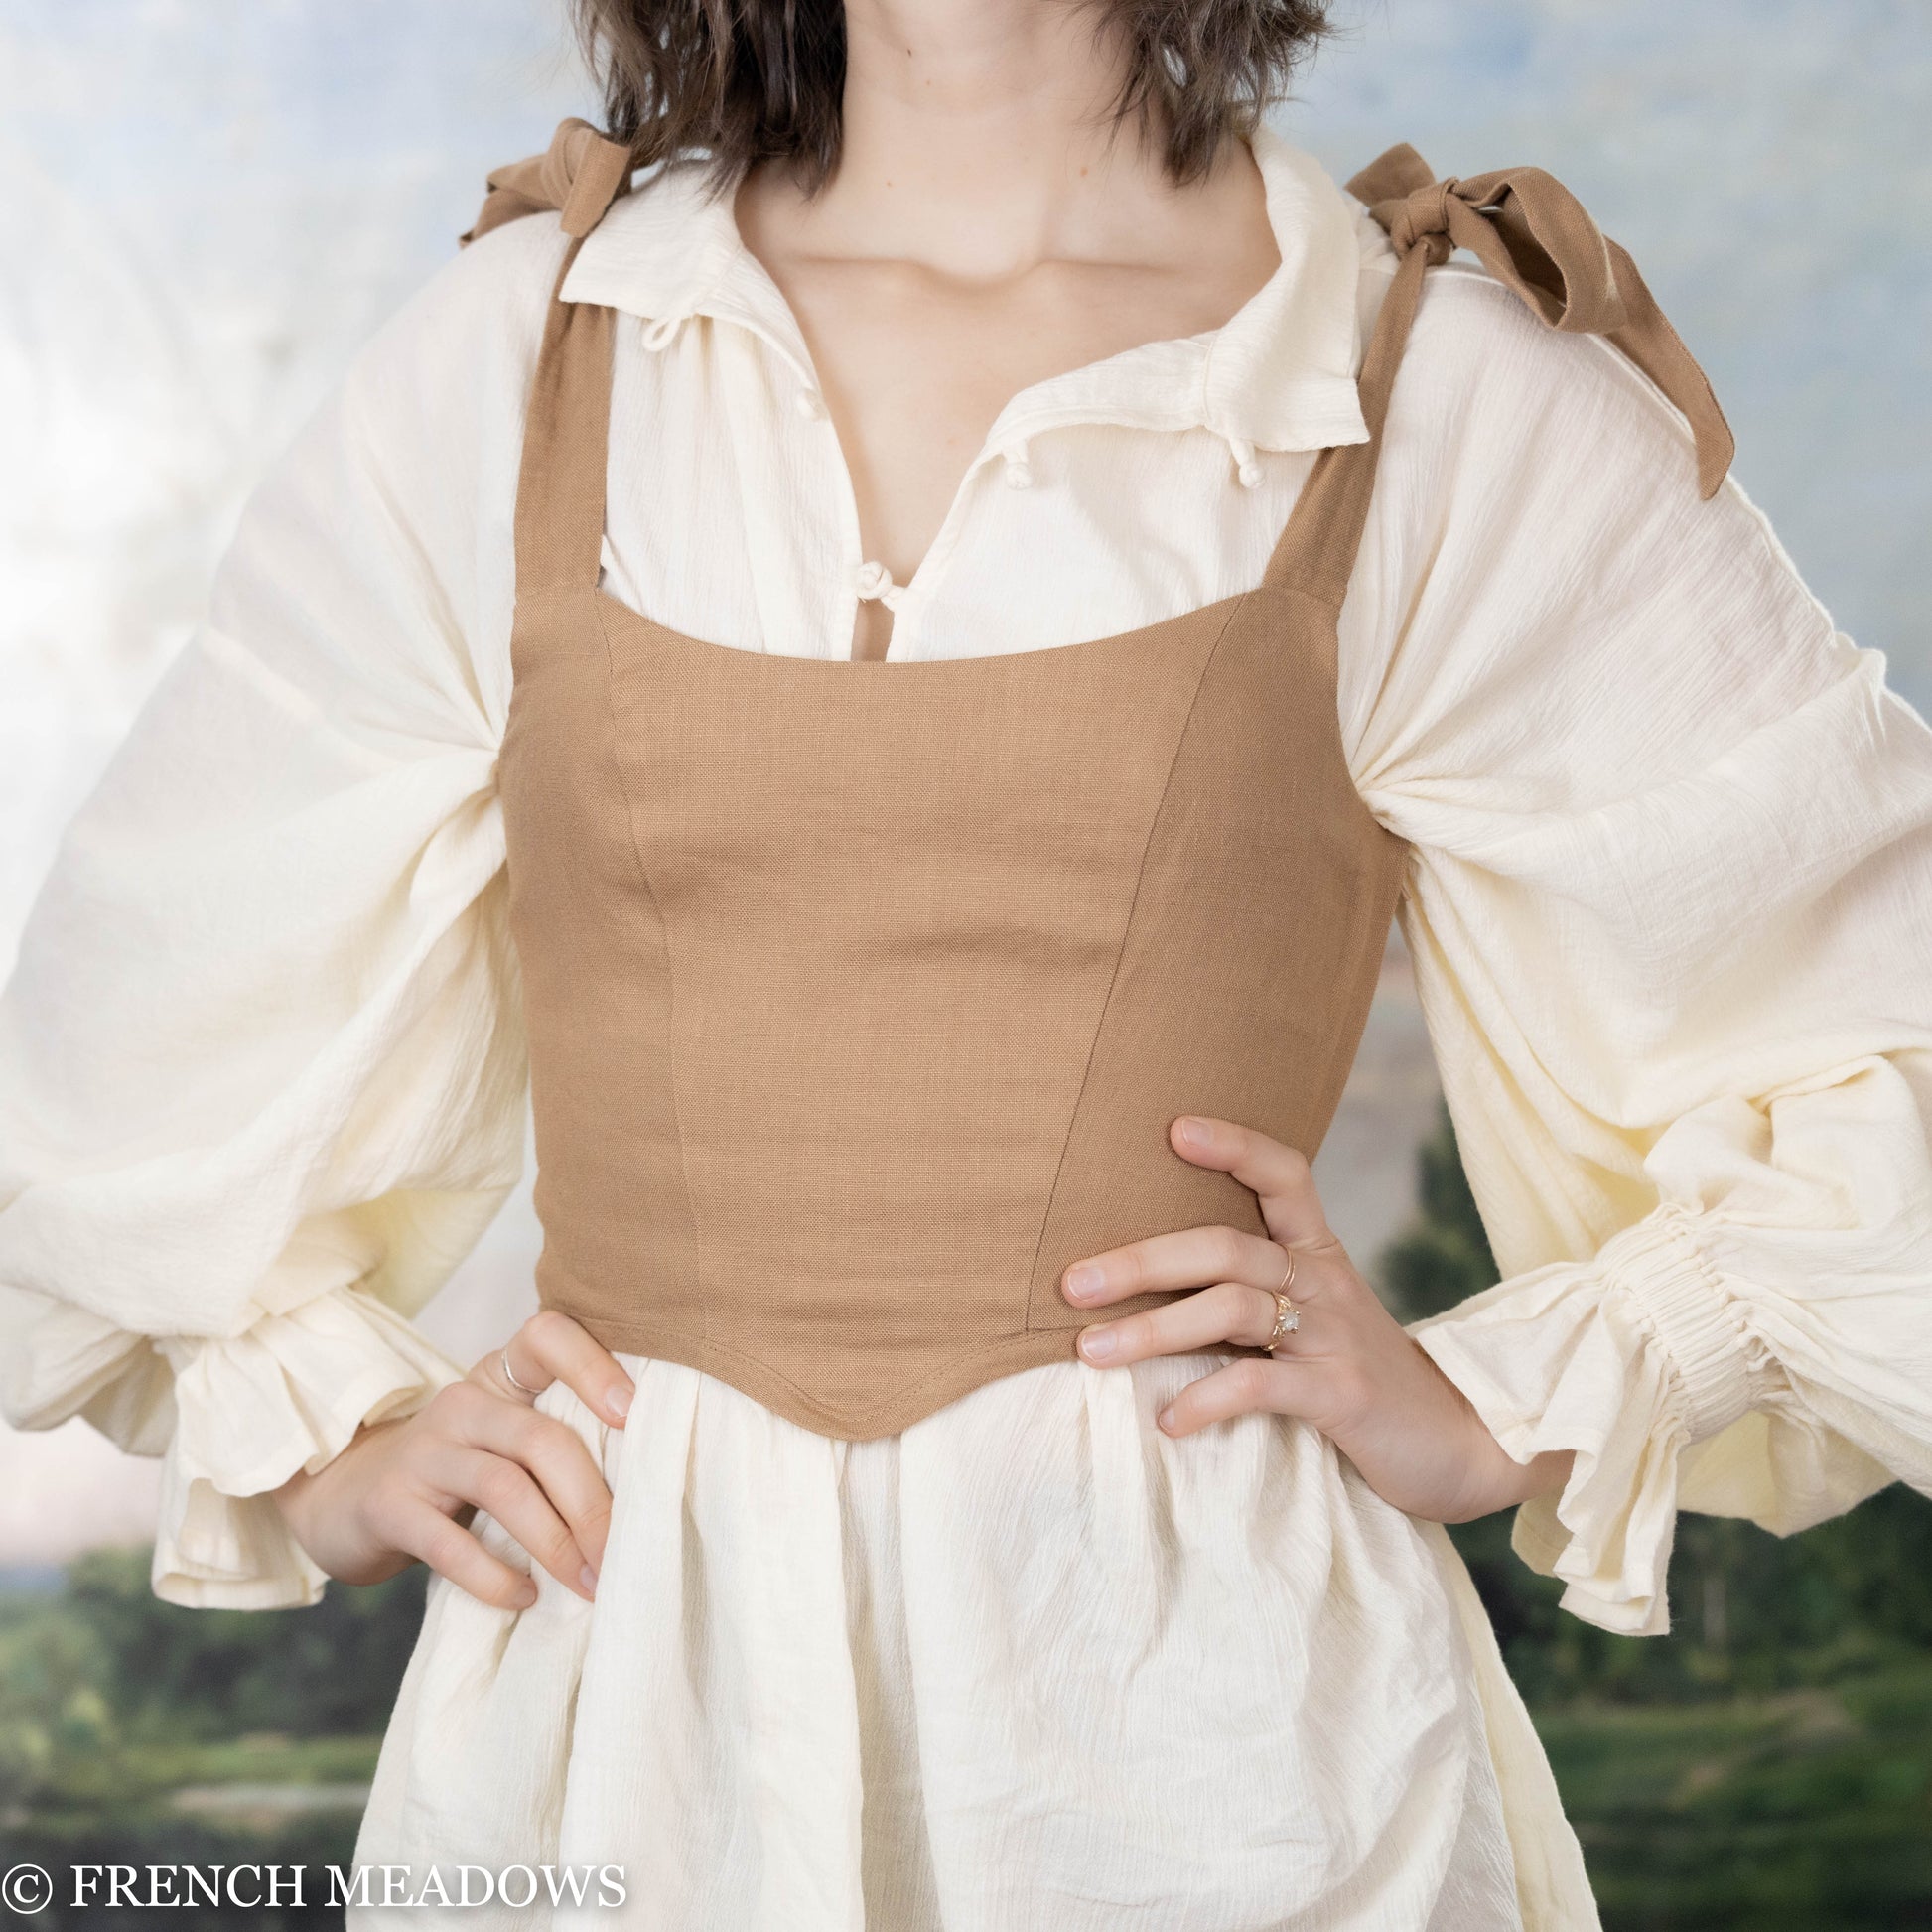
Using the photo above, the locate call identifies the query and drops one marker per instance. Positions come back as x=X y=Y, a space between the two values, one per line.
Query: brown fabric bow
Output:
x=581 y=173
x=1537 y=239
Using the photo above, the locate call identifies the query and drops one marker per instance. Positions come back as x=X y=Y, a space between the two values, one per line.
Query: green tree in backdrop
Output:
x=1768 y=1766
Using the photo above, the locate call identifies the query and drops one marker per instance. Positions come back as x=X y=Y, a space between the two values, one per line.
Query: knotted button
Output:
x=876 y=581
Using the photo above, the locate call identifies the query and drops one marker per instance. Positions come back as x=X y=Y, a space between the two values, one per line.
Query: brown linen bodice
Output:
x=860 y=994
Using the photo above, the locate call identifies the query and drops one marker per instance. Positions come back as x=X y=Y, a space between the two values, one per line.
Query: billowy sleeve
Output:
x=1670 y=906
x=261 y=1060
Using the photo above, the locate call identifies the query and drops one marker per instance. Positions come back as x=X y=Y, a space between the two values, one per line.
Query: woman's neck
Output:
x=988 y=228
x=979 y=140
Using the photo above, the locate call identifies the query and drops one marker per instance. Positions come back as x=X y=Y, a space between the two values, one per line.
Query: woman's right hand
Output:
x=406 y=1490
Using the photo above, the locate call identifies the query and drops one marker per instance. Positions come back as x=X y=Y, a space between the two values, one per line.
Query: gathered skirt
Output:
x=1029 y=1665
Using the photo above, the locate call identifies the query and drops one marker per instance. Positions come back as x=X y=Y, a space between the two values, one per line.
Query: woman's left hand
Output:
x=1349 y=1369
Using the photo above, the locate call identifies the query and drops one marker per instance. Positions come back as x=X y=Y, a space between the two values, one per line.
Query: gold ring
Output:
x=510 y=1374
x=1288 y=1317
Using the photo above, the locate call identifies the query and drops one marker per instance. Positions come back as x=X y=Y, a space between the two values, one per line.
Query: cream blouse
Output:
x=1670 y=899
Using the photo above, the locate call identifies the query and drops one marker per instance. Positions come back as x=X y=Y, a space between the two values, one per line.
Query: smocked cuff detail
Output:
x=253 y=1409
x=1625 y=1360
x=1659 y=1265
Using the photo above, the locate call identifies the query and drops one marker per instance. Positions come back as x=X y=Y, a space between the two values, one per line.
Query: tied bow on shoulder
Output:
x=581 y=173
x=1538 y=239
x=1525 y=227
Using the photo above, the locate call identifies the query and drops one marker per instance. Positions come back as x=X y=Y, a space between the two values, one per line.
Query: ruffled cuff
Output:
x=1627 y=1360
x=58 y=1361
x=253 y=1409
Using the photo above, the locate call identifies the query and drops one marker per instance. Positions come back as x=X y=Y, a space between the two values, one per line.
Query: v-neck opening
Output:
x=785 y=335
x=1304 y=560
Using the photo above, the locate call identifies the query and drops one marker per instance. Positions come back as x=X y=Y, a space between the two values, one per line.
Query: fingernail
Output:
x=588 y=1577
x=1099 y=1343
x=527 y=1595
x=619 y=1400
x=1194 y=1129
x=1166 y=1418
x=1084 y=1280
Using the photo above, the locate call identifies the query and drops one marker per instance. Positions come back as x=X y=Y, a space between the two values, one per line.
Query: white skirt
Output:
x=1029 y=1664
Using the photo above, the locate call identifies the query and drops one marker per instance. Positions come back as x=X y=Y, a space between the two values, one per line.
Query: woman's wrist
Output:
x=1507 y=1483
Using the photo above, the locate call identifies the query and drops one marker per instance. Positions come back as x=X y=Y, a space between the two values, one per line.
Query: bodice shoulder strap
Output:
x=580 y=174
x=1534 y=235
x=560 y=482
x=1536 y=239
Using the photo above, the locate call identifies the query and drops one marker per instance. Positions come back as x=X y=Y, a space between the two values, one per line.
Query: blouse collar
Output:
x=1278 y=374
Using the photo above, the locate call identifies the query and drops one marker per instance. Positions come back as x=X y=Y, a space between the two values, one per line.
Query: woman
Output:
x=865 y=667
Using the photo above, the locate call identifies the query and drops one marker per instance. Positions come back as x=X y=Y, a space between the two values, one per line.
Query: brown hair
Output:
x=748 y=81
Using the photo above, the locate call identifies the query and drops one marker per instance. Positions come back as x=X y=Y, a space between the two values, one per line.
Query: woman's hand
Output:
x=406 y=1490
x=1349 y=1369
